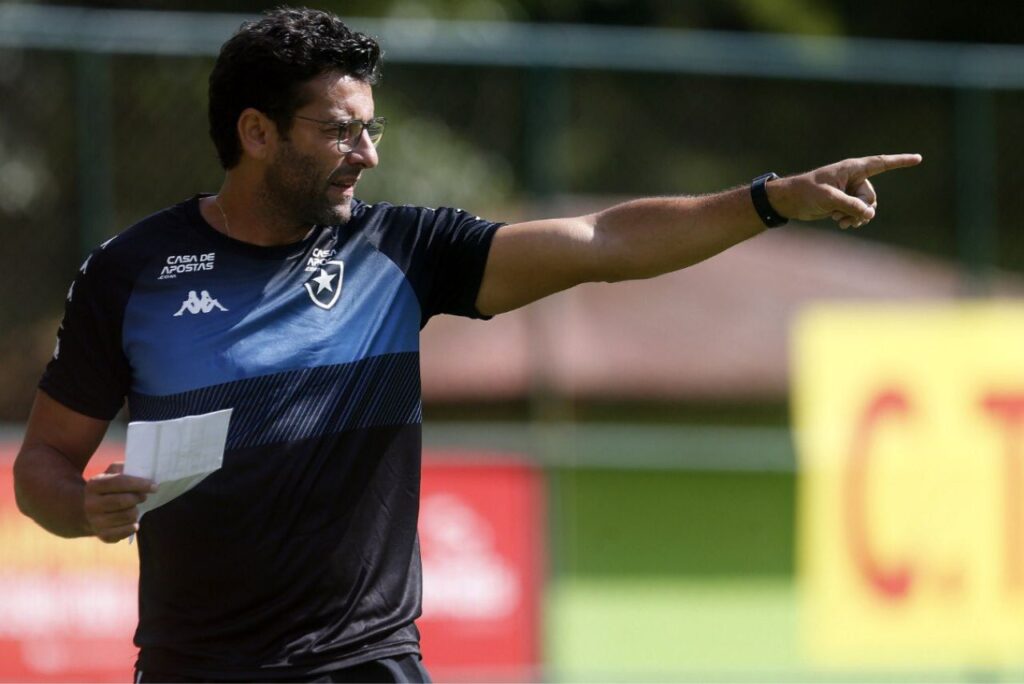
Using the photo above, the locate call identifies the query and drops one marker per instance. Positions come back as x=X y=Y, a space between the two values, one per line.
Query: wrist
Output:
x=766 y=193
x=778 y=192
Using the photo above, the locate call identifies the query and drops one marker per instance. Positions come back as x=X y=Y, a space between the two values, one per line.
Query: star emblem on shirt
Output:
x=324 y=288
x=323 y=281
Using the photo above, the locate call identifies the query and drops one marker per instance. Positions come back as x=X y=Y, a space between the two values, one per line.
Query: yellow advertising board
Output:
x=910 y=433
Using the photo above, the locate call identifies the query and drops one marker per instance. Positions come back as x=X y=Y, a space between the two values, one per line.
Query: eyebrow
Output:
x=324 y=122
x=346 y=120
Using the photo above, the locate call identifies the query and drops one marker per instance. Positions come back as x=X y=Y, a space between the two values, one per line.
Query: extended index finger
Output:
x=872 y=166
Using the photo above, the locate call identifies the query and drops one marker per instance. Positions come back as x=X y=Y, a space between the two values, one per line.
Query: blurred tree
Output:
x=424 y=162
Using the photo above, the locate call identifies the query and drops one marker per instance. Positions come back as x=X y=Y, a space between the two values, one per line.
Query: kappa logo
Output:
x=325 y=288
x=196 y=304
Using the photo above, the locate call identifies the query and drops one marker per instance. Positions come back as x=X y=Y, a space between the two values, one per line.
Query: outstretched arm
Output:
x=648 y=237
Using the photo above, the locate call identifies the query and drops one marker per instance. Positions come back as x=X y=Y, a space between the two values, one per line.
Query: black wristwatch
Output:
x=764 y=208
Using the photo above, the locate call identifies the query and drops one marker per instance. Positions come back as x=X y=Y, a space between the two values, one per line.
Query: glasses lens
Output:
x=375 y=129
x=350 y=132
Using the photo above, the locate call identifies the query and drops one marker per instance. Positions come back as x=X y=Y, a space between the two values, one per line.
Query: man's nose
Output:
x=363 y=154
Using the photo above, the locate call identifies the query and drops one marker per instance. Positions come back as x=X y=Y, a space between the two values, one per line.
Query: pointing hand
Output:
x=841 y=191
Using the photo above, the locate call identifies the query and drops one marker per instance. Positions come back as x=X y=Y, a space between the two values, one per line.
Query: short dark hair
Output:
x=266 y=63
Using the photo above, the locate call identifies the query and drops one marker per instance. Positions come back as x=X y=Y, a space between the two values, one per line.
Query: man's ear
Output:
x=257 y=133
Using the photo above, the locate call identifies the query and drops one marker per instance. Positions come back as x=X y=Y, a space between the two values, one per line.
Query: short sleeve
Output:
x=457 y=253
x=89 y=372
x=443 y=253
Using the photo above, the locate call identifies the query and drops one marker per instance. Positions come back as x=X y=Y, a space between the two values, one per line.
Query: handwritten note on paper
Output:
x=176 y=454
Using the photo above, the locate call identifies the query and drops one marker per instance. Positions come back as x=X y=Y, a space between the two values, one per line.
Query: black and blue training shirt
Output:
x=300 y=554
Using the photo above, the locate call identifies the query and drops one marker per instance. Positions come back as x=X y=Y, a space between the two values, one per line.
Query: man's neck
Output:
x=242 y=212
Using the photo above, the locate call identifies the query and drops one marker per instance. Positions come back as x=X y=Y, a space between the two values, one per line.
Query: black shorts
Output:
x=404 y=669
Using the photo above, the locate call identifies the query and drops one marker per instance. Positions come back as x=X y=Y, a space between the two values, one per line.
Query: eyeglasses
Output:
x=348 y=133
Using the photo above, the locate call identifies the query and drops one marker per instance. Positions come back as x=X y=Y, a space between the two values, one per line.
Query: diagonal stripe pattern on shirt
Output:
x=304 y=403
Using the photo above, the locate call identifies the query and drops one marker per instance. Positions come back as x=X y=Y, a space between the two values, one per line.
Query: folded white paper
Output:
x=176 y=454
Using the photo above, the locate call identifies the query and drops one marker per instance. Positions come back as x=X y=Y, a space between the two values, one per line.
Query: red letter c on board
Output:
x=892 y=583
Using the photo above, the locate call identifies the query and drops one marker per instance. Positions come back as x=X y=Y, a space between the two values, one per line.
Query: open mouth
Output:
x=345 y=185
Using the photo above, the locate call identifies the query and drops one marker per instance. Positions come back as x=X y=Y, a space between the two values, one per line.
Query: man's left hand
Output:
x=841 y=191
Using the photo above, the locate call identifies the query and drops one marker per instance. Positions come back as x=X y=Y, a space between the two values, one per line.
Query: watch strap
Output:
x=764 y=208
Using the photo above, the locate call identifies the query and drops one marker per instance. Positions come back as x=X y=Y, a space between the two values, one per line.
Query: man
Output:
x=298 y=559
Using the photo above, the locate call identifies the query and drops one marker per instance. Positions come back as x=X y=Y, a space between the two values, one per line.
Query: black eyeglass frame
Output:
x=347 y=139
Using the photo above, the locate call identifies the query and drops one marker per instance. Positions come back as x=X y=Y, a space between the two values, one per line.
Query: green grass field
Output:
x=666 y=629
x=669 y=574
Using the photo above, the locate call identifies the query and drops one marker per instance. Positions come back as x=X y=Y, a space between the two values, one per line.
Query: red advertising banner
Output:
x=481 y=540
x=68 y=607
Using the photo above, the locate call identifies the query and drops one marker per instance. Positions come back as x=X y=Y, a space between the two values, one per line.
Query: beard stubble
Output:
x=296 y=195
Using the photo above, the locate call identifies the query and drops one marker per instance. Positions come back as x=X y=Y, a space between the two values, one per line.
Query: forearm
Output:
x=638 y=239
x=50 y=490
x=648 y=237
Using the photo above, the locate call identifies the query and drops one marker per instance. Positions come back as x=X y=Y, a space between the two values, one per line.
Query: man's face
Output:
x=309 y=179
